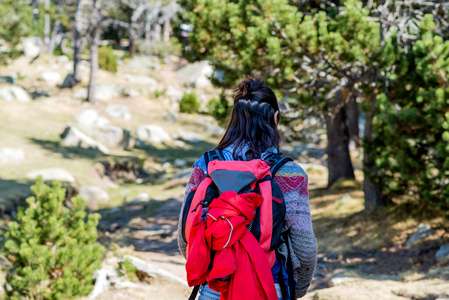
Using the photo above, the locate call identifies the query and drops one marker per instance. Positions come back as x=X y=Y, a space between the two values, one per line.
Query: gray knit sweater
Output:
x=293 y=182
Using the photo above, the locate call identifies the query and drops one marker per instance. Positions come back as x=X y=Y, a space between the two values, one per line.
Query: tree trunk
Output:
x=47 y=24
x=93 y=51
x=352 y=111
x=166 y=30
x=54 y=37
x=339 y=160
x=75 y=78
x=371 y=190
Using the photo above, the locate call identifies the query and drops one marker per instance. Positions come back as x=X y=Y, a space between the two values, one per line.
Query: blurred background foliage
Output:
x=363 y=90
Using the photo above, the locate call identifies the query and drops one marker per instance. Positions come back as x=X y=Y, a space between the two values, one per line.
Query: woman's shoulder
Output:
x=291 y=169
x=201 y=163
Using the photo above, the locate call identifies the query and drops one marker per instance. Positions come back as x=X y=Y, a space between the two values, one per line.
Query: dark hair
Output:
x=252 y=120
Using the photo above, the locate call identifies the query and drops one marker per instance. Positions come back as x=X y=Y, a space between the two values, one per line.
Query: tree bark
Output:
x=93 y=51
x=372 y=193
x=339 y=160
x=75 y=78
x=47 y=24
x=352 y=111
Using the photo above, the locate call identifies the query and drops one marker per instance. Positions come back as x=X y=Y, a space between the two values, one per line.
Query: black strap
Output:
x=194 y=292
x=213 y=155
x=276 y=161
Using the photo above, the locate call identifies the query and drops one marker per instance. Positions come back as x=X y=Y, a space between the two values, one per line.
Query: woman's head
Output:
x=254 y=119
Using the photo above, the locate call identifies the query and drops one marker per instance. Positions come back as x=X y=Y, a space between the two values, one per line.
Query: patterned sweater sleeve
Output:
x=293 y=183
x=195 y=179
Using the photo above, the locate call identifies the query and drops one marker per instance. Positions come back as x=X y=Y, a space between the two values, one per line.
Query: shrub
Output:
x=107 y=60
x=220 y=109
x=53 y=250
x=189 y=103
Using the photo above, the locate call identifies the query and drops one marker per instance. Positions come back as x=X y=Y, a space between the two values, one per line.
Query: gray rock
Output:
x=423 y=231
x=79 y=93
x=51 y=174
x=196 y=74
x=62 y=59
x=118 y=111
x=173 y=93
x=6 y=79
x=14 y=93
x=340 y=279
x=90 y=118
x=180 y=163
x=308 y=150
x=185 y=173
x=74 y=137
x=11 y=154
x=50 y=78
x=105 y=92
x=32 y=46
x=153 y=134
x=94 y=196
x=130 y=92
x=144 y=63
x=171 y=116
x=443 y=253
x=191 y=137
x=109 y=135
x=141 y=80
x=215 y=130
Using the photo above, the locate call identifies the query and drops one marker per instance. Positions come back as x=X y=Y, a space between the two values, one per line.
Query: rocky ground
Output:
x=130 y=157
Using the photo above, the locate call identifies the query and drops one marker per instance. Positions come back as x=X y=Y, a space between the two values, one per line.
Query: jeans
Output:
x=208 y=294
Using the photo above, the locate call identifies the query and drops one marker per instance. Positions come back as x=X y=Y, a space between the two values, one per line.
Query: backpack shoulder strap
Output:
x=276 y=162
x=213 y=155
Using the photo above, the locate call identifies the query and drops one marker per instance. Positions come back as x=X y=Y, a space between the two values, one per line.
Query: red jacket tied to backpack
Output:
x=241 y=267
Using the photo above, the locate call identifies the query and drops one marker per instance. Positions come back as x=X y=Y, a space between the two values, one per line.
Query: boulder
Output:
x=62 y=59
x=79 y=93
x=153 y=134
x=6 y=79
x=423 y=231
x=191 y=137
x=109 y=135
x=74 y=137
x=90 y=118
x=130 y=92
x=51 y=78
x=105 y=92
x=118 y=111
x=14 y=93
x=144 y=63
x=443 y=253
x=215 y=130
x=95 y=196
x=171 y=116
x=32 y=46
x=196 y=75
x=179 y=163
x=141 y=80
x=11 y=154
x=173 y=93
x=51 y=174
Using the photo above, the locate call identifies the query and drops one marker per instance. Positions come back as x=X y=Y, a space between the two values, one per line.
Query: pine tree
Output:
x=53 y=250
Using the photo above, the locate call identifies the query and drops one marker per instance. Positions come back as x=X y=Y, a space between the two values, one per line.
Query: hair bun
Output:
x=248 y=86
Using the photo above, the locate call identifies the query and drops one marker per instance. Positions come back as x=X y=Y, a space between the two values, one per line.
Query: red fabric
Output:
x=266 y=221
x=242 y=261
x=199 y=195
